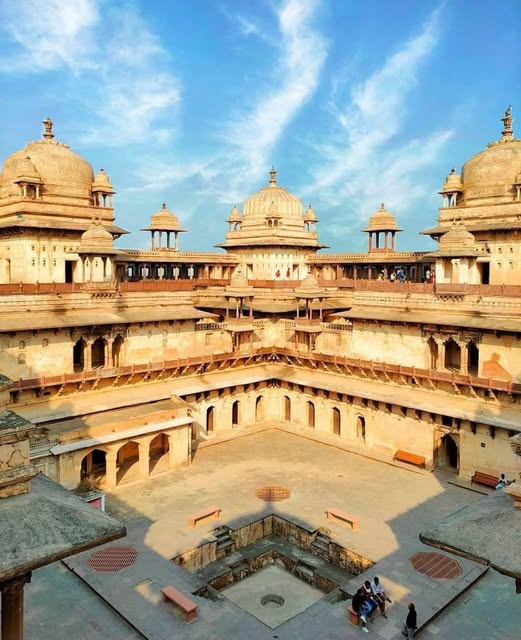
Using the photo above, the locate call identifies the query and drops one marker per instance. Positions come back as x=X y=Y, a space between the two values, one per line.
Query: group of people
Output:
x=372 y=595
x=396 y=274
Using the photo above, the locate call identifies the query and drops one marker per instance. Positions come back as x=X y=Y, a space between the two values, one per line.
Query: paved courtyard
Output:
x=393 y=505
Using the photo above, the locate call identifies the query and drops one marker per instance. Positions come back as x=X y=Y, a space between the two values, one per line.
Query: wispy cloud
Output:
x=248 y=138
x=366 y=163
x=252 y=134
x=123 y=79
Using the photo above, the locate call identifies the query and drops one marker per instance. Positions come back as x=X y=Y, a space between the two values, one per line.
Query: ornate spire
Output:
x=507 y=133
x=273 y=177
x=48 y=134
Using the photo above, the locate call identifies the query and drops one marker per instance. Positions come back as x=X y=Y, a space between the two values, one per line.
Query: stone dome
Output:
x=259 y=204
x=62 y=172
x=310 y=216
x=490 y=175
x=102 y=183
x=235 y=216
x=452 y=183
x=382 y=220
x=457 y=236
x=27 y=172
x=164 y=220
x=96 y=241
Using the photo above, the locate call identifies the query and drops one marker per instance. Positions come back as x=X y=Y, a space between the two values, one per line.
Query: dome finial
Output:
x=382 y=207
x=48 y=134
x=507 y=133
x=273 y=177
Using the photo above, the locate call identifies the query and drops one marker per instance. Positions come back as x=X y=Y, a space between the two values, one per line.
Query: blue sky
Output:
x=191 y=103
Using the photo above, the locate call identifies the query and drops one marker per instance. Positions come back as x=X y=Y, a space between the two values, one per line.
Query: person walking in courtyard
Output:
x=411 y=623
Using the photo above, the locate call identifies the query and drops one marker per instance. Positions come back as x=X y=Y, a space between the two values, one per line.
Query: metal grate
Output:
x=435 y=565
x=273 y=493
x=112 y=559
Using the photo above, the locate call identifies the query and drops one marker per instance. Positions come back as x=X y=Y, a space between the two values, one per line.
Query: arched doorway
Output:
x=472 y=358
x=127 y=459
x=94 y=467
x=448 y=454
x=235 y=413
x=98 y=353
x=452 y=355
x=210 y=412
x=287 y=408
x=433 y=353
x=259 y=409
x=78 y=355
x=336 y=421
x=360 y=428
x=117 y=347
x=311 y=414
x=158 y=454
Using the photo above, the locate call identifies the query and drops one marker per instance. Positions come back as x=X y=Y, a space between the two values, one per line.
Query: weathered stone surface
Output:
x=488 y=530
x=47 y=524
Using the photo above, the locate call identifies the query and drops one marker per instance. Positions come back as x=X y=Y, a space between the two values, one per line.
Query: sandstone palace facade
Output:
x=127 y=360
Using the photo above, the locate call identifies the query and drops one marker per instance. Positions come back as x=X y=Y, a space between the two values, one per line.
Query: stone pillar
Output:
x=441 y=355
x=13 y=607
x=112 y=470
x=144 y=459
x=464 y=358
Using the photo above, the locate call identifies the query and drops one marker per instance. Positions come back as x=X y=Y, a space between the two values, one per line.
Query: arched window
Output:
x=98 y=353
x=452 y=355
x=117 y=347
x=127 y=461
x=94 y=466
x=433 y=353
x=235 y=413
x=287 y=408
x=259 y=409
x=336 y=421
x=360 y=428
x=472 y=358
x=78 y=355
x=209 y=419
x=158 y=453
x=311 y=414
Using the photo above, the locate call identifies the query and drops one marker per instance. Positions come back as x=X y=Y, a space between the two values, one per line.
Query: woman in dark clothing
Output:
x=410 y=624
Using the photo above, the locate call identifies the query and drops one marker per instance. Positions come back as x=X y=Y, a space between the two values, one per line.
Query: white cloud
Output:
x=253 y=133
x=361 y=168
x=120 y=67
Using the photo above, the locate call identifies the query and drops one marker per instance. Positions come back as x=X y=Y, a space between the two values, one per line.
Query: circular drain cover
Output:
x=272 y=601
x=273 y=493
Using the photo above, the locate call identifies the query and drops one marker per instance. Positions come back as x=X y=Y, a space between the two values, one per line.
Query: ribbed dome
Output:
x=97 y=241
x=309 y=288
x=258 y=205
x=235 y=216
x=102 y=183
x=457 y=236
x=28 y=172
x=310 y=216
x=382 y=220
x=452 y=183
x=489 y=176
x=62 y=172
x=273 y=211
x=164 y=220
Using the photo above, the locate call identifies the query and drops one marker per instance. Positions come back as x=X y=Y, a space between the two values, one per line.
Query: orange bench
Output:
x=485 y=478
x=173 y=595
x=411 y=458
x=205 y=513
x=336 y=514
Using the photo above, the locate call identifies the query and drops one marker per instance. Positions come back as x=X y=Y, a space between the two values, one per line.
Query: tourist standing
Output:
x=411 y=623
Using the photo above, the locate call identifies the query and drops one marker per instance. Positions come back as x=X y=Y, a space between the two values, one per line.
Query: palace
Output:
x=123 y=360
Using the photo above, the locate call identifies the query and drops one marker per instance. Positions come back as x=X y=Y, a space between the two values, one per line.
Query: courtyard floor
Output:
x=393 y=504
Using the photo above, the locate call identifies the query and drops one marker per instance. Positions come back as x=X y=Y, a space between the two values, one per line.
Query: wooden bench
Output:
x=336 y=514
x=205 y=513
x=411 y=458
x=170 y=594
x=484 y=478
